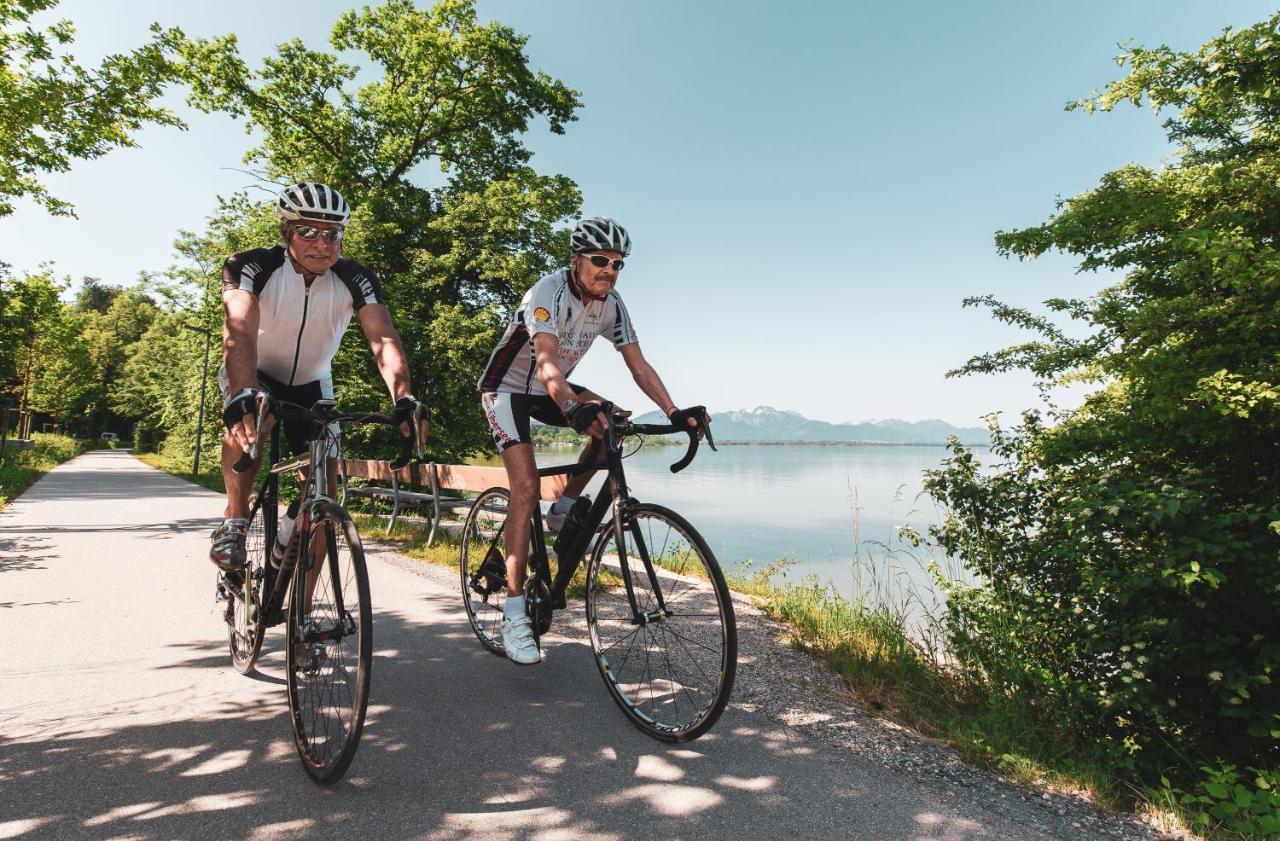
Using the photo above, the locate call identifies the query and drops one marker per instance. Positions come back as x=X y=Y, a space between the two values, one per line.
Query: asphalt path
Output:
x=120 y=716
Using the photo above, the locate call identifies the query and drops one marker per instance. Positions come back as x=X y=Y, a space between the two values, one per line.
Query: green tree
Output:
x=1130 y=550
x=450 y=92
x=94 y=295
x=56 y=111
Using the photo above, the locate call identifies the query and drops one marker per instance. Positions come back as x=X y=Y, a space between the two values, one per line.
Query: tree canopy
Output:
x=56 y=111
x=452 y=252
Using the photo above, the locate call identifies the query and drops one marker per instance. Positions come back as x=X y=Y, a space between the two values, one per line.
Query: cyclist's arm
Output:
x=388 y=353
x=648 y=380
x=240 y=352
x=545 y=349
x=240 y=338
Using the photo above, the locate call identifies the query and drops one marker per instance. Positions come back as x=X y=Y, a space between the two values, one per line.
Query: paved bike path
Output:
x=120 y=716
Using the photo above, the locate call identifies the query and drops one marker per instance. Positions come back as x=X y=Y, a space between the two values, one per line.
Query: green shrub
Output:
x=1128 y=551
x=1227 y=802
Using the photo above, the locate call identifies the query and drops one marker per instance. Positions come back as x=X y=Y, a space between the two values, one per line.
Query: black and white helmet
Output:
x=599 y=233
x=312 y=202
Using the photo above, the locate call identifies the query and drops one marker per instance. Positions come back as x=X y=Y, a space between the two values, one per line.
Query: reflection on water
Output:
x=821 y=507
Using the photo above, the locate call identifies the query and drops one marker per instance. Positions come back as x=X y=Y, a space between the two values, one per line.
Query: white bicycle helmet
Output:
x=599 y=233
x=312 y=202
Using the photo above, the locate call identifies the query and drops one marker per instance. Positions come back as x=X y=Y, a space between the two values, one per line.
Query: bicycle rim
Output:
x=671 y=674
x=328 y=664
x=483 y=569
x=245 y=628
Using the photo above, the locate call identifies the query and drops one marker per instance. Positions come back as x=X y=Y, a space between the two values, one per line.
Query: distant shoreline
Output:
x=680 y=441
x=753 y=443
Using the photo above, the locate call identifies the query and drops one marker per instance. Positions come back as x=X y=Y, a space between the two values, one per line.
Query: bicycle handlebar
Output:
x=665 y=429
x=323 y=412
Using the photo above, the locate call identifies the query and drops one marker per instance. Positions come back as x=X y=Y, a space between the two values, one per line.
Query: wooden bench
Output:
x=436 y=478
x=379 y=471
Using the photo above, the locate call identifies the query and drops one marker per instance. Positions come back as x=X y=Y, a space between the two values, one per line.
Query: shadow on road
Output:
x=459 y=744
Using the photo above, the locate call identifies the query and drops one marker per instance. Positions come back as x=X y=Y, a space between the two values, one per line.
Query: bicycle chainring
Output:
x=537 y=604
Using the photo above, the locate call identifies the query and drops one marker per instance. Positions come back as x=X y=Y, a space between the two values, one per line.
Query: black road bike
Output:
x=659 y=613
x=316 y=584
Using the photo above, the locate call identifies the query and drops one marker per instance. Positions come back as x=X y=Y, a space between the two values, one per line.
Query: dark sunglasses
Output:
x=600 y=261
x=310 y=234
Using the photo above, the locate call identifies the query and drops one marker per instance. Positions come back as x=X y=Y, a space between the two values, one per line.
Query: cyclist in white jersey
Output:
x=527 y=377
x=286 y=310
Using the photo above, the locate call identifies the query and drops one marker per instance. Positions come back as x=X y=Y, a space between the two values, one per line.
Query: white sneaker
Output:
x=517 y=637
x=558 y=511
x=555 y=516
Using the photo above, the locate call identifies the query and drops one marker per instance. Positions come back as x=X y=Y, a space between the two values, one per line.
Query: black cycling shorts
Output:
x=508 y=415
x=297 y=431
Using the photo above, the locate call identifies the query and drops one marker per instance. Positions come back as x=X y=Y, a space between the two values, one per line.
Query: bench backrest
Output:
x=454 y=477
x=465 y=477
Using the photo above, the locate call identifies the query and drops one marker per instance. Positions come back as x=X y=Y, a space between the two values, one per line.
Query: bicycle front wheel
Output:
x=483 y=565
x=243 y=591
x=329 y=654
x=669 y=663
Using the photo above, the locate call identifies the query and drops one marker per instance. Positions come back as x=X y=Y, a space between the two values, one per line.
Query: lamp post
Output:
x=204 y=379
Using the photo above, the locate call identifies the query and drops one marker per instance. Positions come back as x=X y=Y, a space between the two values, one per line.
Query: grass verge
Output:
x=212 y=481
x=21 y=468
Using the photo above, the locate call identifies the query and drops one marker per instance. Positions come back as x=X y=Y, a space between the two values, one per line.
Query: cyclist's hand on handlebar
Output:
x=240 y=417
x=410 y=411
x=693 y=418
x=586 y=418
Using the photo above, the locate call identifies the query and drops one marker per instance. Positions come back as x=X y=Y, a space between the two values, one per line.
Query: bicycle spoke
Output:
x=672 y=676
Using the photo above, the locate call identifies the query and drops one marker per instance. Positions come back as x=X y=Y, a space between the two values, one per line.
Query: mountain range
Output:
x=765 y=423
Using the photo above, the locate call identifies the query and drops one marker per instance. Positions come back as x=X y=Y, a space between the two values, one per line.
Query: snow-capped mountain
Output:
x=765 y=423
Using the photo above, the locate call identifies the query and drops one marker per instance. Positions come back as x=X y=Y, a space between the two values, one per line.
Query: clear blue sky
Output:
x=811 y=188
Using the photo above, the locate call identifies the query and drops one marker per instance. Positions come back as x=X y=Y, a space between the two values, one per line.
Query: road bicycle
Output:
x=313 y=580
x=659 y=614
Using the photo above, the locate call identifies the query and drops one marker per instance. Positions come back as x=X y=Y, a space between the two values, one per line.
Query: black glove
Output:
x=243 y=402
x=581 y=415
x=680 y=417
x=405 y=409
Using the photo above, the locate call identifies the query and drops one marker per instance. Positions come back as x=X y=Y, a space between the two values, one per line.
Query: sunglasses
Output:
x=310 y=234
x=600 y=261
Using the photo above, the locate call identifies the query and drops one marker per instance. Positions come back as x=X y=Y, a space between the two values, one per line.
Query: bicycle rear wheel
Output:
x=483 y=567
x=671 y=671
x=243 y=590
x=329 y=654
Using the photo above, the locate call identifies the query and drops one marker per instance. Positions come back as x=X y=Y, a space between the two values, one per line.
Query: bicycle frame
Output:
x=615 y=489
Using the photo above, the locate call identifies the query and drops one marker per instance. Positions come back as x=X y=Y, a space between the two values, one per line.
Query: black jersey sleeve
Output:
x=250 y=270
x=361 y=282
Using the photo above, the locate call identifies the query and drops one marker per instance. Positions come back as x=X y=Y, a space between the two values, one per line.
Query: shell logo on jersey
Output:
x=542 y=314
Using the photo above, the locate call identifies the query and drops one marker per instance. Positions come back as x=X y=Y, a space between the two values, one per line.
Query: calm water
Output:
x=833 y=511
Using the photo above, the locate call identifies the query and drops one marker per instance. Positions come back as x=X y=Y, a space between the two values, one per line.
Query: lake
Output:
x=833 y=511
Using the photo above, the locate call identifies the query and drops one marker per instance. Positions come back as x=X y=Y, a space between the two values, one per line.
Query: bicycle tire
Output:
x=673 y=674
x=482 y=541
x=245 y=628
x=327 y=703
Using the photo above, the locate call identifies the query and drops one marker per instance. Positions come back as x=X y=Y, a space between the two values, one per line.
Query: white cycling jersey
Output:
x=552 y=306
x=300 y=327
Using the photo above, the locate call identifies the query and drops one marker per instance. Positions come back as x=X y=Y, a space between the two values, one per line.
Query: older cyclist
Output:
x=286 y=309
x=550 y=332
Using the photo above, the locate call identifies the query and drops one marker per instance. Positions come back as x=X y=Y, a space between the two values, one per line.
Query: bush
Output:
x=1128 y=551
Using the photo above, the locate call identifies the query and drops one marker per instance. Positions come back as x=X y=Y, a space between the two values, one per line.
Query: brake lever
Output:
x=247 y=460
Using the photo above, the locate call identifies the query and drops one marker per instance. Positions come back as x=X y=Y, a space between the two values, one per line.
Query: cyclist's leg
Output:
x=227 y=549
x=522 y=478
x=238 y=485
x=544 y=410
